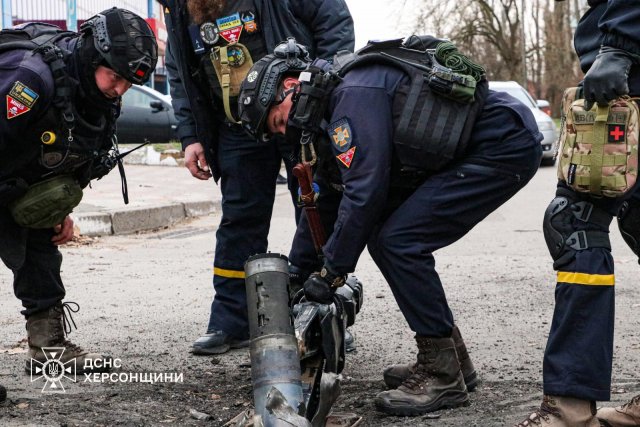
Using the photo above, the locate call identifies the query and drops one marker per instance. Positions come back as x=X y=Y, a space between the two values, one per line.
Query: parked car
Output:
x=545 y=123
x=544 y=105
x=146 y=115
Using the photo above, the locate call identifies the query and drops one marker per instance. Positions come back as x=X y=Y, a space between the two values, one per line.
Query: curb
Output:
x=127 y=221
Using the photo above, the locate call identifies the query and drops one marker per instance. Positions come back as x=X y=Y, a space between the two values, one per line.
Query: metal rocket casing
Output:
x=275 y=362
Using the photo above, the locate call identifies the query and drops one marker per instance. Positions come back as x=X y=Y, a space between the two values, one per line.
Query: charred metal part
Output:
x=296 y=364
x=275 y=363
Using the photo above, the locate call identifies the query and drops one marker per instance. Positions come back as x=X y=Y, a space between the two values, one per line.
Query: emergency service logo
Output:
x=53 y=370
x=341 y=134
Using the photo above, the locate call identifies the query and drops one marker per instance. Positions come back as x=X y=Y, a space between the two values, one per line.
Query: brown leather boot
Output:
x=436 y=382
x=394 y=375
x=627 y=415
x=563 y=411
x=48 y=329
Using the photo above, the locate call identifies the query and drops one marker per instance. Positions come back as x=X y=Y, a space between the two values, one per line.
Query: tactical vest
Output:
x=437 y=107
x=65 y=140
x=234 y=42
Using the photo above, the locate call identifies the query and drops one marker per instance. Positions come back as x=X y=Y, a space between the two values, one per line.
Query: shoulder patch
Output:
x=347 y=157
x=341 y=134
x=15 y=108
x=23 y=94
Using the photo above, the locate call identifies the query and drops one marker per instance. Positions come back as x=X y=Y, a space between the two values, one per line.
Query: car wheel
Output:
x=548 y=161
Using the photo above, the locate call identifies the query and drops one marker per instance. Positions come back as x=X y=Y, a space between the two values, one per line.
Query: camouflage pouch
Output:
x=232 y=64
x=46 y=203
x=598 y=148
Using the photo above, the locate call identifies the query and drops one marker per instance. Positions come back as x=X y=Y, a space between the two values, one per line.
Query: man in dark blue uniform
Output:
x=56 y=134
x=402 y=214
x=578 y=357
x=213 y=41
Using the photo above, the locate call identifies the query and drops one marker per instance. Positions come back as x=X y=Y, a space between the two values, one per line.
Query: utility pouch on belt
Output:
x=232 y=63
x=598 y=148
x=46 y=203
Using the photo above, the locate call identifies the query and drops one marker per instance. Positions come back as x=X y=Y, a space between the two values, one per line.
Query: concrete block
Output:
x=139 y=219
x=93 y=223
x=194 y=209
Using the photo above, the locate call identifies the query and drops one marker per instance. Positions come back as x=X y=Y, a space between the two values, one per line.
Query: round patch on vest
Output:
x=209 y=33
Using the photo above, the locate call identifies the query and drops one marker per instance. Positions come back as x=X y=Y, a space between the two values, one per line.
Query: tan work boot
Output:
x=47 y=329
x=563 y=411
x=436 y=382
x=627 y=415
x=394 y=375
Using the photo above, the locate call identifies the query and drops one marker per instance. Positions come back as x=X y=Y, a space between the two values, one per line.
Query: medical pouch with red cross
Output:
x=598 y=148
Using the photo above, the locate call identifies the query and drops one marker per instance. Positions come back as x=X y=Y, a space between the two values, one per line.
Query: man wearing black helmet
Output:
x=403 y=207
x=212 y=44
x=57 y=130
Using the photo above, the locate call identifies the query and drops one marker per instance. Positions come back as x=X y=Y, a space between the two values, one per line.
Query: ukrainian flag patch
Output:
x=23 y=94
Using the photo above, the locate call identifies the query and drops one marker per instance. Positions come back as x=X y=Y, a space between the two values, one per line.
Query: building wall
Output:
x=30 y=10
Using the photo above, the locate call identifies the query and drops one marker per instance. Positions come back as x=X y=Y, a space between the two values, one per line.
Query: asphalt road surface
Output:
x=144 y=298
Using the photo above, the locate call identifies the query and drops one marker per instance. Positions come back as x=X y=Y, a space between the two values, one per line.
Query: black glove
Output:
x=320 y=287
x=607 y=77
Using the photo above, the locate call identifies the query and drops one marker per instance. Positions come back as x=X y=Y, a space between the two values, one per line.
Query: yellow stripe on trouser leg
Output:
x=232 y=274
x=586 y=279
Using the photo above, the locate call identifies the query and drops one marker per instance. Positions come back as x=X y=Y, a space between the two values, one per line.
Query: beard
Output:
x=205 y=10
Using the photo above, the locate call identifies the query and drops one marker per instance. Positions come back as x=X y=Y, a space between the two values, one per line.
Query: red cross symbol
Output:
x=617 y=133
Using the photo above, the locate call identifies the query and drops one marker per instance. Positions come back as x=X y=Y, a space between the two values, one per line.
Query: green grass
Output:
x=157 y=147
x=175 y=145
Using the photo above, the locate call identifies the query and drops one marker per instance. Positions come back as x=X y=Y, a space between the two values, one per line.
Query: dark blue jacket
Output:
x=324 y=26
x=27 y=88
x=611 y=23
x=360 y=131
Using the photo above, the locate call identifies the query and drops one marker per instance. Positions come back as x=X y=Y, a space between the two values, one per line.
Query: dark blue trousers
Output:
x=579 y=353
x=445 y=208
x=248 y=178
x=35 y=263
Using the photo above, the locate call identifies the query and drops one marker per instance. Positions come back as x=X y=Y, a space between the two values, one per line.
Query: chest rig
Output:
x=434 y=109
x=227 y=48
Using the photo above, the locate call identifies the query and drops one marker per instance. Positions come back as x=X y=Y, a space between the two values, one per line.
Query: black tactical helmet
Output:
x=125 y=41
x=259 y=89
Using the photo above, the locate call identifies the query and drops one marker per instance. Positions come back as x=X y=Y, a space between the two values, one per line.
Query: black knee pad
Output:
x=629 y=224
x=563 y=231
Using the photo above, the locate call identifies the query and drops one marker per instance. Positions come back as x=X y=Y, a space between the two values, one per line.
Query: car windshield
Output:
x=519 y=93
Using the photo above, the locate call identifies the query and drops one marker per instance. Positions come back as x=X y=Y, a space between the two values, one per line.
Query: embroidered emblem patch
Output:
x=249 y=20
x=23 y=94
x=15 y=108
x=209 y=33
x=616 y=133
x=347 y=157
x=230 y=27
x=341 y=135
